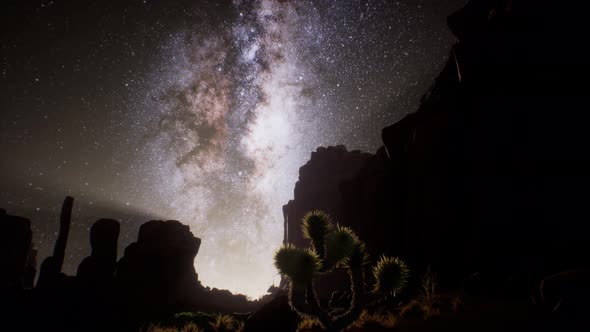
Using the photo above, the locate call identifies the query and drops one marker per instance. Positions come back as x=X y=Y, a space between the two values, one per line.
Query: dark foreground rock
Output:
x=275 y=315
x=15 y=246
x=156 y=275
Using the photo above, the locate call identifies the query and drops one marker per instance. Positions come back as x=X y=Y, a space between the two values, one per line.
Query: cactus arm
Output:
x=318 y=246
x=358 y=301
x=64 y=229
x=310 y=296
x=297 y=298
x=314 y=226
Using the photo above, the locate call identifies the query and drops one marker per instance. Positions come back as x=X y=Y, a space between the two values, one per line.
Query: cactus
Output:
x=391 y=275
x=299 y=265
x=335 y=247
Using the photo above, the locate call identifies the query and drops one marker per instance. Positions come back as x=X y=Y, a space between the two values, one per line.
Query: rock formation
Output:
x=154 y=279
x=98 y=269
x=30 y=268
x=51 y=275
x=490 y=173
x=15 y=244
x=156 y=274
x=318 y=187
x=491 y=163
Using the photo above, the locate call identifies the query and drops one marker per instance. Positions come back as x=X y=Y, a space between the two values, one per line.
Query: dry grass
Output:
x=456 y=303
x=427 y=303
x=366 y=319
x=226 y=323
x=309 y=323
x=428 y=296
x=158 y=328
x=190 y=327
x=387 y=320
x=222 y=323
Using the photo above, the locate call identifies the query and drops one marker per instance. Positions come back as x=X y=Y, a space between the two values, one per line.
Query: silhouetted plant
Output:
x=198 y=322
x=335 y=247
x=226 y=323
x=308 y=323
x=427 y=303
x=190 y=327
x=391 y=274
x=201 y=319
x=384 y=319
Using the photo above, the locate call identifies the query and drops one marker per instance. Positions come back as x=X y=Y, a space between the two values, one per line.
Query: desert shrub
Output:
x=428 y=301
x=456 y=303
x=159 y=328
x=334 y=246
x=226 y=323
x=202 y=320
x=366 y=319
x=308 y=323
x=191 y=327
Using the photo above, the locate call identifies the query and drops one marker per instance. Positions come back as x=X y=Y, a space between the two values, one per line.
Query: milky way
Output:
x=235 y=123
x=204 y=112
x=238 y=112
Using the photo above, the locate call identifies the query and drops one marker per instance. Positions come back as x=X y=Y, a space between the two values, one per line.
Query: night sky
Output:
x=201 y=111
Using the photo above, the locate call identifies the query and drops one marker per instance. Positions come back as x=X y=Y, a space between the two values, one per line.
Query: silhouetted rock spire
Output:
x=50 y=275
x=30 y=268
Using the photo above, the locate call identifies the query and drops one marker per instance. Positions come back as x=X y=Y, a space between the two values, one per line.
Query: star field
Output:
x=201 y=111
